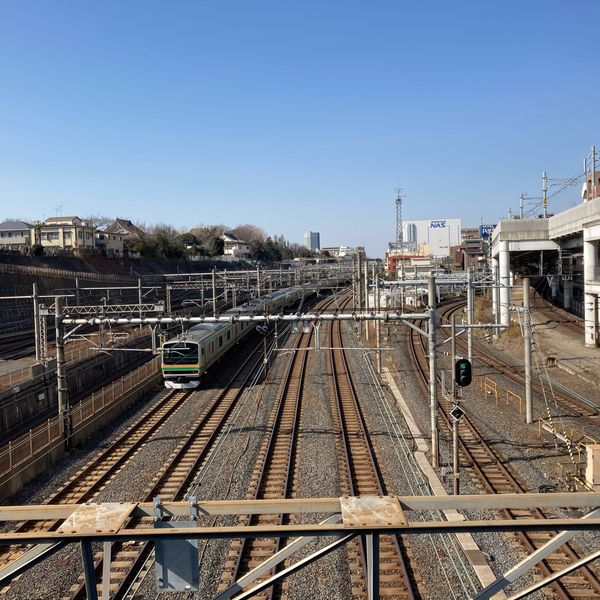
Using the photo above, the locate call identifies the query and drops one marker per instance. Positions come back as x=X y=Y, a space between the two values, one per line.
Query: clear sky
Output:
x=293 y=116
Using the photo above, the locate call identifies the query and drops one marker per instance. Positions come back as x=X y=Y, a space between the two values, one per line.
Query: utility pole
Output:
x=366 y=298
x=258 y=282
x=527 y=339
x=455 y=458
x=593 y=186
x=359 y=288
x=140 y=300
x=470 y=314
x=168 y=298
x=36 y=324
x=545 y=193
x=431 y=309
x=521 y=205
x=61 y=373
x=378 y=323
x=214 y=292
x=354 y=295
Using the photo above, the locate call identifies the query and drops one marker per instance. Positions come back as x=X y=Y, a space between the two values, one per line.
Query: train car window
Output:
x=180 y=353
x=228 y=335
x=220 y=341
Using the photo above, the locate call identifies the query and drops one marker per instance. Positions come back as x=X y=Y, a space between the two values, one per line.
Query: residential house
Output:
x=66 y=233
x=110 y=244
x=126 y=229
x=15 y=235
x=234 y=247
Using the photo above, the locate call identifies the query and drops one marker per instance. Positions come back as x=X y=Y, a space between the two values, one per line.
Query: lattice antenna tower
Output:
x=399 y=234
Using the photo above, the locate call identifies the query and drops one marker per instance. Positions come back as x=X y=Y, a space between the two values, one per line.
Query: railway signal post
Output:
x=462 y=376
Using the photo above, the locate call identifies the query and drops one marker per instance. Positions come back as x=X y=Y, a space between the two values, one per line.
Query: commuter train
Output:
x=186 y=357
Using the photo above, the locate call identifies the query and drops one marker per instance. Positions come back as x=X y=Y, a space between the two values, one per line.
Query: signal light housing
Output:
x=463 y=372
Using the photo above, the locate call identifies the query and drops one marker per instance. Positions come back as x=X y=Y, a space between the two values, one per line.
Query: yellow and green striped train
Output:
x=186 y=357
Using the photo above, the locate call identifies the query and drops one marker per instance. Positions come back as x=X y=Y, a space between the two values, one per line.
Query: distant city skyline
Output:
x=283 y=115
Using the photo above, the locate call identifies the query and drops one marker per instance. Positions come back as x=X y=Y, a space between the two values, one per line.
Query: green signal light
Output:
x=463 y=372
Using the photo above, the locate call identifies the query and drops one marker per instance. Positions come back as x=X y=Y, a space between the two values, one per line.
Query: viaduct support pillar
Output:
x=495 y=291
x=567 y=293
x=504 y=265
x=590 y=300
x=554 y=287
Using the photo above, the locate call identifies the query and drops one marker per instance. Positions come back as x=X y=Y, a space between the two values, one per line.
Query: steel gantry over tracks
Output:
x=349 y=517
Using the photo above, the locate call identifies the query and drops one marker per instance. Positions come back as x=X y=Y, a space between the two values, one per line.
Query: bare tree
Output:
x=249 y=233
x=98 y=220
x=205 y=233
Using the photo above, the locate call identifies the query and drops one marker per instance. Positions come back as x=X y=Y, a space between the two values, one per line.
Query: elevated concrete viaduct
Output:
x=555 y=245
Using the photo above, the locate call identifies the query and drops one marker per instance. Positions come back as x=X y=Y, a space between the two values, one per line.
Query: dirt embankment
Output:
x=20 y=284
x=133 y=267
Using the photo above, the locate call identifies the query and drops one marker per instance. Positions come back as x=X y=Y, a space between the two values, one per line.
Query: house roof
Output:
x=62 y=219
x=106 y=232
x=14 y=226
x=228 y=236
x=125 y=228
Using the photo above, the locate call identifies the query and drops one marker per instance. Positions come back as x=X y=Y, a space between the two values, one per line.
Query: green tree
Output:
x=216 y=246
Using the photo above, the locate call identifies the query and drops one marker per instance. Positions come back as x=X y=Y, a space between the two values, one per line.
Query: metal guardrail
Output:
x=45 y=436
x=491 y=387
x=73 y=355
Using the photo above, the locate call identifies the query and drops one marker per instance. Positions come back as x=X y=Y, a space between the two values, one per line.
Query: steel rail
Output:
x=172 y=481
x=362 y=474
x=271 y=480
x=493 y=474
x=88 y=482
x=569 y=399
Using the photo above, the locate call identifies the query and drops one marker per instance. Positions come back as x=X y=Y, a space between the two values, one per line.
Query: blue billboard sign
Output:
x=486 y=231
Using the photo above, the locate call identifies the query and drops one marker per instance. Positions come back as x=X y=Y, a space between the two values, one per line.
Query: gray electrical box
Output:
x=177 y=561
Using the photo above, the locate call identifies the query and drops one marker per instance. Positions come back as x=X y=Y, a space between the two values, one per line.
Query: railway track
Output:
x=89 y=481
x=556 y=314
x=17 y=344
x=577 y=406
x=272 y=476
x=360 y=475
x=491 y=475
x=174 y=479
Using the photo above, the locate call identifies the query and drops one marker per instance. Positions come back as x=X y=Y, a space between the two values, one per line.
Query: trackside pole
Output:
x=378 y=323
x=214 y=292
x=455 y=463
x=470 y=314
x=36 y=324
x=61 y=374
x=435 y=452
x=366 y=298
x=527 y=339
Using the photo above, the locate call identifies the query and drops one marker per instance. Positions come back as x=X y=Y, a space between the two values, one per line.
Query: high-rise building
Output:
x=439 y=235
x=312 y=240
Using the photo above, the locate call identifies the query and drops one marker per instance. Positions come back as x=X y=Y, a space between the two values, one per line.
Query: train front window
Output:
x=178 y=354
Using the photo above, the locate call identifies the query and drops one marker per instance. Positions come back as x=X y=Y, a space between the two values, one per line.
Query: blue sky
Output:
x=293 y=116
